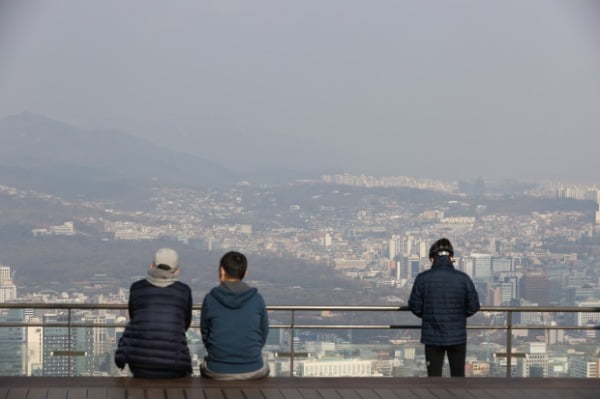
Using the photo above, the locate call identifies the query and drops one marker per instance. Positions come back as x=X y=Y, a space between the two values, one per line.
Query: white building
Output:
x=588 y=318
x=480 y=265
x=334 y=368
x=8 y=289
x=34 y=349
x=359 y=264
x=583 y=367
x=65 y=229
x=535 y=363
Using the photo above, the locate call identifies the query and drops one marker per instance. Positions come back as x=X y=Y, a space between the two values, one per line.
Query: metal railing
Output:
x=509 y=327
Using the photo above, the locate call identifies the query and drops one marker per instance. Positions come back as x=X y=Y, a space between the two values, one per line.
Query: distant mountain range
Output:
x=40 y=153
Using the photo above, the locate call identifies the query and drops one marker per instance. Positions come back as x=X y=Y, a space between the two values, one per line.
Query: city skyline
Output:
x=358 y=226
x=370 y=234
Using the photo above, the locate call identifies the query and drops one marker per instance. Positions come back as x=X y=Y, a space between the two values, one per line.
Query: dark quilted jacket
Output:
x=155 y=335
x=443 y=298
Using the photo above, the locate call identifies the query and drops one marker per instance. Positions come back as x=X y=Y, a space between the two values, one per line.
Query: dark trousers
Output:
x=434 y=356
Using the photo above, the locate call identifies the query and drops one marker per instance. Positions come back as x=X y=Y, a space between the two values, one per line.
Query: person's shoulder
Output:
x=259 y=300
x=179 y=286
x=258 y=295
x=462 y=275
x=139 y=284
x=210 y=294
x=182 y=285
x=254 y=295
x=424 y=274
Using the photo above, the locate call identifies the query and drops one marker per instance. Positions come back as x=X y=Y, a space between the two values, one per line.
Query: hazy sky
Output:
x=442 y=89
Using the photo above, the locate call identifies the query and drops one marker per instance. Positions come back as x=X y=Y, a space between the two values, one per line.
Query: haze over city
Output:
x=331 y=142
x=448 y=90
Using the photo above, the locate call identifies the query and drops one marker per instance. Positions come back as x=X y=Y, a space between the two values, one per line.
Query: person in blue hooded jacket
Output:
x=234 y=325
x=443 y=298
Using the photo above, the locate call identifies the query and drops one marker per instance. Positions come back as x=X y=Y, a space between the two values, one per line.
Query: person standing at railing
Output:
x=234 y=325
x=443 y=298
x=154 y=343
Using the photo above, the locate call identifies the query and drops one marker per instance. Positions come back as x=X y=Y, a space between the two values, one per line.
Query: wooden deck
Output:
x=297 y=388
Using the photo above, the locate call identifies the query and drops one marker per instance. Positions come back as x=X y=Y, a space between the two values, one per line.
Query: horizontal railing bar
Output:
x=516 y=327
x=415 y=327
x=308 y=326
x=276 y=308
x=37 y=305
x=123 y=306
x=73 y=325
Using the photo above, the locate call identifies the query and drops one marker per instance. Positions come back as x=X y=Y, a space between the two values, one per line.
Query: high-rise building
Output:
x=482 y=266
x=67 y=352
x=410 y=266
x=327 y=240
x=8 y=289
x=407 y=248
x=34 y=349
x=584 y=367
x=535 y=362
x=393 y=247
x=11 y=343
x=4 y=273
x=526 y=318
x=588 y=318
x=423 y=251
x=500 y=293
x=534 y=287
x=56 y=342
x=502 y=265
x=553 y=337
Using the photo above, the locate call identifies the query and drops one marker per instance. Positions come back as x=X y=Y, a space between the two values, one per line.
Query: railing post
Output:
x=508 y=344
x=69 y=341
x=292 y=354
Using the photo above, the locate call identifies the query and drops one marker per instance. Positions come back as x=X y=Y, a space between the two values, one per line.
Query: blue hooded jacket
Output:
x=234 y=325
x=443 y=298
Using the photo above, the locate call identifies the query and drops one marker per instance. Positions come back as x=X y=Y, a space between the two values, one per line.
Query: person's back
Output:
x=443 y=298
x=154 y=343
x=234 y=325
x=444 y=309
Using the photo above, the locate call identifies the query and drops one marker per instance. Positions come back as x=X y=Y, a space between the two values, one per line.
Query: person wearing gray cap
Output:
x=154 y=343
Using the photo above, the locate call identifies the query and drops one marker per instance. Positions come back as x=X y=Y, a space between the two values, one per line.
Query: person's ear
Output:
x=221 y=273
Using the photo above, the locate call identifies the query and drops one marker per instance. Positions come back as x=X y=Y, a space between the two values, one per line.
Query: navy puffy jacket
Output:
x=443 y=298
x=155 y=335
x=234 y=325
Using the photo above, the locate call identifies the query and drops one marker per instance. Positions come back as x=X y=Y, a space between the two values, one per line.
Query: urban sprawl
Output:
x=359 y=227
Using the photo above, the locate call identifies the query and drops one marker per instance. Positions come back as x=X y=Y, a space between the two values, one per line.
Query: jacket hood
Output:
x=233 y=294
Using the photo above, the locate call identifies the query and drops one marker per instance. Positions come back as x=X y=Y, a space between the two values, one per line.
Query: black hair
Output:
x=234 y=264
x=443 y=246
